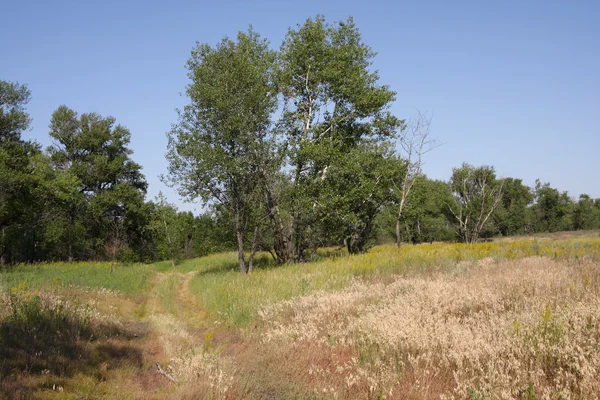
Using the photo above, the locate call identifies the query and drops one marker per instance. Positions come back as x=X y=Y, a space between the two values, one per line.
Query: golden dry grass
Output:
x=496 y=330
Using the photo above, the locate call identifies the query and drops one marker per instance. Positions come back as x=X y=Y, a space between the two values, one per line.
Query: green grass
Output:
x=167 y=290
x=95 y=275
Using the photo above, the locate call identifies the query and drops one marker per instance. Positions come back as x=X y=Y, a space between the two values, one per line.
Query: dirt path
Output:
x=152 y=303
x=214 y=360
x=184 y=288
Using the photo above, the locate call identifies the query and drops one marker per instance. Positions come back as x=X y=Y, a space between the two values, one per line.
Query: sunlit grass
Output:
x=183 y=305
x=167 y=290
x=94 y=275
x=236 y=299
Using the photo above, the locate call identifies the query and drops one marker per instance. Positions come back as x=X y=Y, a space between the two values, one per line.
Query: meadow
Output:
x=516 y=318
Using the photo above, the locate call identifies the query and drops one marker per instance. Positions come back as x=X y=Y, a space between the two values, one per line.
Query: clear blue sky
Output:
x=513 y=84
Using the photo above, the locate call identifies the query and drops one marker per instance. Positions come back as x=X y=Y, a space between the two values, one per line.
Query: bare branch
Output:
x=414 y=143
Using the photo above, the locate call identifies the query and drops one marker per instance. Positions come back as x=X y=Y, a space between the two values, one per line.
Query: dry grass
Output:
x=497 y=330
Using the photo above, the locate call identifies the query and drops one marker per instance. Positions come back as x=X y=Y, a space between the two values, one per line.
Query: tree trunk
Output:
x=240 y=237
x=169 y=243
x=253 y=249
x=281 y=241
x=241 y=261
x=2 y=259
x=398 y=226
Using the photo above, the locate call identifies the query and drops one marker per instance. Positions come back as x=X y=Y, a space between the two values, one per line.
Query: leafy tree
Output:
x=13 y=118
x=166 y=229
x=587 y=213
x=425 y=217
x=17 y=181
x=511 y=216
x=553 y=210
x=111 y=186
x=57 y=193
x=477 y=195
x=214 y=150
x=354 y=192
x=332 y=103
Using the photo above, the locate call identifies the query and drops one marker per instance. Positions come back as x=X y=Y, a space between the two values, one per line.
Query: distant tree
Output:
x=111 y=185
x=477 y=195
x=587 y=213
x=354 y=192
x=553 y=210
x=511 y=216
x=14 y=120
x=166 y=229
x=414 y=142
x=425 y=218
x=214 y=148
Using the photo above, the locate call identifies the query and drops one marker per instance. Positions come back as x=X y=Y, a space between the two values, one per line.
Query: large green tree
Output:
x=332 y=103
x=217 y=147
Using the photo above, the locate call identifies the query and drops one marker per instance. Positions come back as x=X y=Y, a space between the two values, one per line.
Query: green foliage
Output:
x=217 y=149
x=353 y=193
x=106 y=189
x=211 y=148
x=166 y=230
x=511 y=216
x=586 y=213
x=477 y=195
x=290 y=150
x=552 y=210
x=424 y=216
x=19 y=182
x=13 y=118
x=335 y=118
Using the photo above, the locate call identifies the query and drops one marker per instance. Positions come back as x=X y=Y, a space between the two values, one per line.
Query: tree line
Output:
x=290 y=149
x=83 y=197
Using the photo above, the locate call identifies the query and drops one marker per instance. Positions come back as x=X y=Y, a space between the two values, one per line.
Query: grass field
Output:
x=514 y=318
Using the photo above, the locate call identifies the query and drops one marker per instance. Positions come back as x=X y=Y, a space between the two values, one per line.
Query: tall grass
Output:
x=236 y=299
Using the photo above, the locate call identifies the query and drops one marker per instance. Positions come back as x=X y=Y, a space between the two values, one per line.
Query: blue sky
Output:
x=513 y=84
